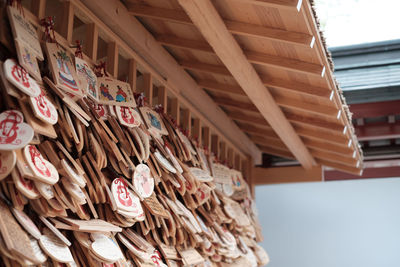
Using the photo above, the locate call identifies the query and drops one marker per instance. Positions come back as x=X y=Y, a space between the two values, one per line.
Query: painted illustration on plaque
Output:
x=62 y=69
x=115 y=92
x=128 y=116
x=44 y=110
x=28 y=60
x=87 y=78
x=153 y=120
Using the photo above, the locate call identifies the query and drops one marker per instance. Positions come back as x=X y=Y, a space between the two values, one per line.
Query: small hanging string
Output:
x=140 y=99
x=78 y=51
x=100 y=69
x=159 y=109
x=49 y=34
x=18 y=4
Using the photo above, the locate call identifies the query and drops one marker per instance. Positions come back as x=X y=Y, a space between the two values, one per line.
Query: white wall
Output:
x=331 y=224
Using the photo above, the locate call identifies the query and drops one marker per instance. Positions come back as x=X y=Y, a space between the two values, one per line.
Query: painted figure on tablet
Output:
x=64 y=72
x=105 y=92
x=121 y=95
x=154 y=121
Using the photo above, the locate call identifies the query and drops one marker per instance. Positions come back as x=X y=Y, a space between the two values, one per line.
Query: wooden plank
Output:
x=134 y=38
x=230 y=156
x=238 y=28
x=348 y=161
x=220 y=87
x=204 y=67
x=67 y=25
x=344 y=168
x=132 y=74
x=237 y=164
x=92 y=38
x=196 y=134
x=163 y=97
x=148 y=87
x=222 y=151
x=325 y=146
x=112 y=58
x=252 y=56
x=277 y=152
x=280 y=175
x=289 y=4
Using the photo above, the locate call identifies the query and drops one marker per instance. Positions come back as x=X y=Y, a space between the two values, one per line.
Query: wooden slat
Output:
x=325 y=146
x=248 y=128
x=332 y=157
x=112 y=58
x=293 y=87
x=253 y=57
x=204 y=67
x=38 y=8
x=237 y=162
x=342 y=167
x=148 y=87
x=234 y=27
x=90 y=47
x=315 y=122
x=293 y=174
x=310 y=108
x=222 y=151
x=67 y=24
x=277 y=152
x=132 y=74
x=230 y=157
x=320 y=134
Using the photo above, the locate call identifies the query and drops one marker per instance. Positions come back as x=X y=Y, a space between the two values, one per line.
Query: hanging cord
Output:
x=140 y=99
x=78 y=51
x=100 y=69
x=49 y=34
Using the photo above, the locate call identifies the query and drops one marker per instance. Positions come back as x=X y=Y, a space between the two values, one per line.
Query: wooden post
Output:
x=196 y=134
x=175 y=109
x=222 y=151
x=163 y=97
x=187 y=121
x=148 y=87
x=206 y=140
x=230 y=157
x=112 y=59
x=67 y=25
x=215 y=144
x=237 y=162
x=132 y=74
x=92 y=38
x=38 y=8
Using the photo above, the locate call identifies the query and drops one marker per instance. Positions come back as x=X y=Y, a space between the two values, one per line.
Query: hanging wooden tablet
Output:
x=154 y=206
x=87 y=78
x=43 y=169
x=28 y=60
x=14 y=236
x=7 y=163
x=153 y=120
x=62 y=69
x=14 y=133
x=24 y=31
x=105 y=248
x=43 y=108
x=54 y=247
x=44 y=189
x=20 y=78
x=115 y=93
x=142 y=180
x=26 y=223
x=128 y=116
x=25 y=186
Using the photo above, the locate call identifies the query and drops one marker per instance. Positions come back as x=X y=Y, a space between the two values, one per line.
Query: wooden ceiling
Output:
x=264 y=63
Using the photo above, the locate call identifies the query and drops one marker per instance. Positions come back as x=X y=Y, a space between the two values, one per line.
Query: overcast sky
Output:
x=348 y=22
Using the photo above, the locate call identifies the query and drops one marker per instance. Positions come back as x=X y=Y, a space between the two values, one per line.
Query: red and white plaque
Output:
x=142 y=180
x=44 y=110
x=128 y=116
x=20 y=78
x=43 y=169
x=14 y=133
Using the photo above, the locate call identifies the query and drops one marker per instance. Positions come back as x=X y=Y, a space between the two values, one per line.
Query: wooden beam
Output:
x=315 y=122
x=38 y=8
x=230 y=157
x=325 y=146
x=112 y=58
x=340 y=159
x=92 y=37
x=277 y=152
x=289 y=4
x=67 y=24
x=238 y=28
x=222 y=151
x=263 y=130
x=320 y=134
x=252 y=56
x=148 y=87
x=237 y=162
x=342 y=167
x=135 y=39
x=132 y=74
x=280 y=175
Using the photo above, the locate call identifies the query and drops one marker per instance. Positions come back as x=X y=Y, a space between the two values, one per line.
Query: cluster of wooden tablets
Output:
x=90 y=179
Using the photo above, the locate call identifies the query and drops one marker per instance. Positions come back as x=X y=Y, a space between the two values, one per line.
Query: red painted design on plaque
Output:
x=127 y=115
x=20 y=75
x=38 y=161
x=124 y=197
x=9 y=127
x=42 y=105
